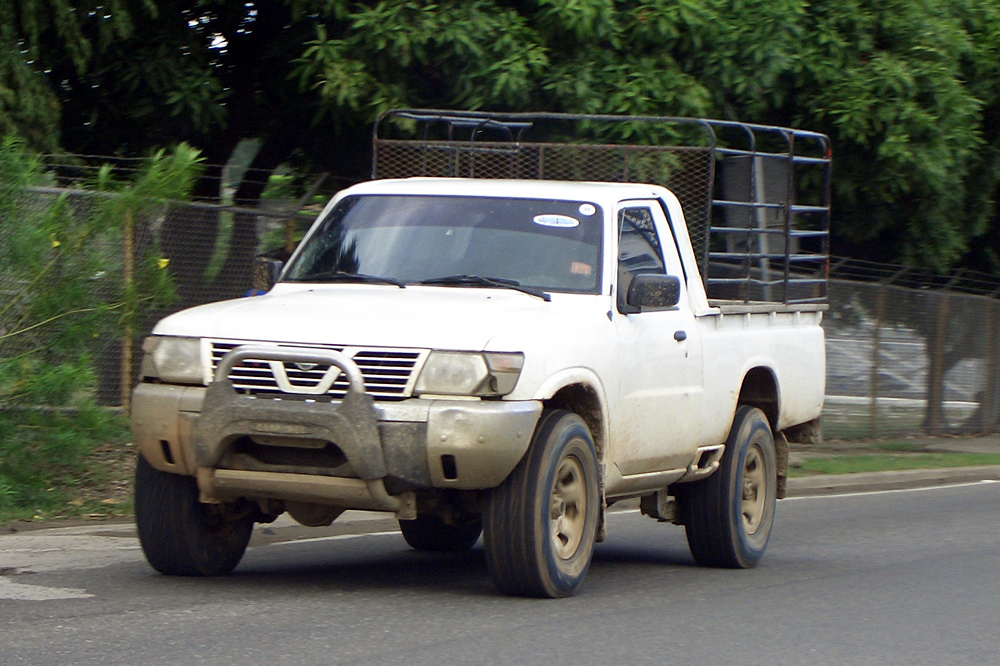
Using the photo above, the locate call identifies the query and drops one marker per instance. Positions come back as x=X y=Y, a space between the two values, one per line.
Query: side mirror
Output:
x=654 y=291
x=265 y=272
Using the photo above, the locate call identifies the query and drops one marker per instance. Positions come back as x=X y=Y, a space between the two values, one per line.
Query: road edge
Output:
x=837 y=484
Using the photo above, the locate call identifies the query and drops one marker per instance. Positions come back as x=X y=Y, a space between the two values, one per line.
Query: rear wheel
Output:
x=180 y=535
x=728 y=516
x=429 y=532
x=541 y=522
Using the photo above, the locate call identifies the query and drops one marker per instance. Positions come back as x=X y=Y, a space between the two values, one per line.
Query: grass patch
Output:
x=890 y=462
x=897 y=446
x=69 y=463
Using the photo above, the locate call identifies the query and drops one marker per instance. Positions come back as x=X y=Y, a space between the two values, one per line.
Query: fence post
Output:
x=128 y=275
x=873 y=382
x=876 y=363
x=988 y=407
x=935 y=378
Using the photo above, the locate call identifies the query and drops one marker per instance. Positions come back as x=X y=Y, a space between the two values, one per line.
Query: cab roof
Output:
x=604 y=193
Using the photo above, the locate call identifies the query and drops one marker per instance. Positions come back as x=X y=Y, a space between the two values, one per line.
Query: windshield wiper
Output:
x=341 y=276
x=482 y=281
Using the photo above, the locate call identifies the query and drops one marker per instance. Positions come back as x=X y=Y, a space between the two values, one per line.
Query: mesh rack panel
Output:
x=686 y=171
x=756 y=198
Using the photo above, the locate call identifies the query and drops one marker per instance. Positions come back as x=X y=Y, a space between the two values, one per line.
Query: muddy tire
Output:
x=179 y=535
x=540 y=524
x=429 y=532
x=728 y=516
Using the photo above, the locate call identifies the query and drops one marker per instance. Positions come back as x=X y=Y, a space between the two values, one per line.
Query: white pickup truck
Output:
x=504 y=358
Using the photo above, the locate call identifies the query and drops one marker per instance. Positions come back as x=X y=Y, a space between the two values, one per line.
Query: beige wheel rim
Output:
x=754 y=490
x=568 y=508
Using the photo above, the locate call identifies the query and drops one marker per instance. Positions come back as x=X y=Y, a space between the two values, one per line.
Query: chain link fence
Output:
x=907 y=352
x=80 y=289
x=910 y=352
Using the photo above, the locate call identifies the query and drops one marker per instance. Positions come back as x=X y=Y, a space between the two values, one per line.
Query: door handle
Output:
x=680 y=336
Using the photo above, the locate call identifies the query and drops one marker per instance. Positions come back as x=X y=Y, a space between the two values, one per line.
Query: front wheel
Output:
x=540 y=524
x=728 y=516
x=180 y=535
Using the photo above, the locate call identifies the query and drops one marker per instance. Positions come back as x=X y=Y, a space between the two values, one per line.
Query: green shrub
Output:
x=46 y=458
x=67 y=294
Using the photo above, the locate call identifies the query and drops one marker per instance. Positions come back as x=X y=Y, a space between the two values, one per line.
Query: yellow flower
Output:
x=55 y=241
x=163 y=262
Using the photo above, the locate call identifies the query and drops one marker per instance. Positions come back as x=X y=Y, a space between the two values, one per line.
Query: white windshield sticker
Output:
x=587 y=210
x=562 y=221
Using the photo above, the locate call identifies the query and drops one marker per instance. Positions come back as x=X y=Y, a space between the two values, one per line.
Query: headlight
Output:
x=462 y=373
x=173 y=360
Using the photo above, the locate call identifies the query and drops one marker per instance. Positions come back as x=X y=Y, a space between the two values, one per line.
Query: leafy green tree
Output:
x=906 y=90
x=29 y=108
x=981 y=72
x=888 y=86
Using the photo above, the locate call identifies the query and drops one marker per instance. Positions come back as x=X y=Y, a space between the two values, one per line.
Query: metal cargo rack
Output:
x=756 y=197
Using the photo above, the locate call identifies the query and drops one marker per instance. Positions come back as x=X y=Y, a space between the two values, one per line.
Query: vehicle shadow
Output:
x=367 y=566
x=400 y=568
x=612 y=554
x=388 y=568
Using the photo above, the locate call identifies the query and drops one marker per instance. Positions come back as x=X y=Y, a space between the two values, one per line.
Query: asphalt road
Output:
x=905 y=577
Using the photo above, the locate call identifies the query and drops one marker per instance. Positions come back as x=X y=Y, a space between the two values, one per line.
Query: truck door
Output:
x=661 y=383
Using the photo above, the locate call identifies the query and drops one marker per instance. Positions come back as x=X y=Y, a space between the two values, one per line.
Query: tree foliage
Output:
x=29 y=107
x=907 y=90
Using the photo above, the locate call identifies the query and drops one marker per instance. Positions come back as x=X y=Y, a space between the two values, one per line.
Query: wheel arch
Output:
x=580 y=391
x=760 y=389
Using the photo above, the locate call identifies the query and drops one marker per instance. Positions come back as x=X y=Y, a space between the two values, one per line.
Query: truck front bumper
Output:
x=416 y=443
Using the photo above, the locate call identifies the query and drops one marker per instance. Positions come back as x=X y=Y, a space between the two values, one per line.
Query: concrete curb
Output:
x=838 y=484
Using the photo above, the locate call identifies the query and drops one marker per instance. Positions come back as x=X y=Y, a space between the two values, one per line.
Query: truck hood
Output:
x=377 y=316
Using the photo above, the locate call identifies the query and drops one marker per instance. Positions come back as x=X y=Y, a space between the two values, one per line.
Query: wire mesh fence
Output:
x=908 y=352
x=81 y=283
x=904 y=361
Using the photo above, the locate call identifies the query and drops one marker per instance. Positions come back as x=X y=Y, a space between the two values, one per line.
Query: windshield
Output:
x=549 y=245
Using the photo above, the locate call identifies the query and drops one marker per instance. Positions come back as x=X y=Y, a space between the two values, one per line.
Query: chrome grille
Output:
x=388 y=372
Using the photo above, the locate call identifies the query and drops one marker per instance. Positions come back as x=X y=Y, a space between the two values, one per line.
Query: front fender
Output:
x=577 y=376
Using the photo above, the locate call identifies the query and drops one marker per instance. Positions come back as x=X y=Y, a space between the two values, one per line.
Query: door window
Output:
x=639 y=249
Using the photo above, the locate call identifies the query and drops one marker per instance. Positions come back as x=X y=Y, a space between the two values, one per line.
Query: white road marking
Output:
x=21 y=592
x=895 y=490
x=612 y=512
x=339 y=537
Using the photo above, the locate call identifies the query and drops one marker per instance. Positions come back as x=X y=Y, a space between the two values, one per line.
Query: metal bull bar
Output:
x=352 y=425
